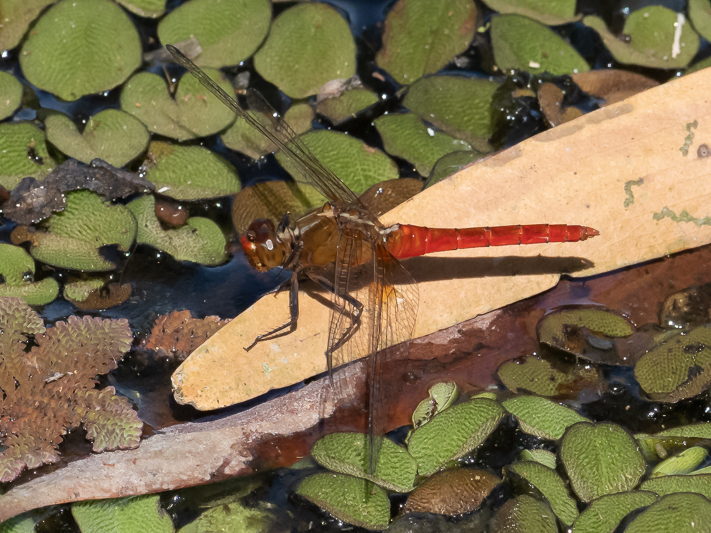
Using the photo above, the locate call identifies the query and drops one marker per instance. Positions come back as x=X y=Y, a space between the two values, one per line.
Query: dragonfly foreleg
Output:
x=293 y=311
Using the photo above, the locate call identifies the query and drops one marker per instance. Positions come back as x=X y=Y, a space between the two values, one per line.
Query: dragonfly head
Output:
x=262 y=247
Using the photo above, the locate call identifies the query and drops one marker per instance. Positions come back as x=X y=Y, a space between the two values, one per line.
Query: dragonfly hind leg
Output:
x=293 y=312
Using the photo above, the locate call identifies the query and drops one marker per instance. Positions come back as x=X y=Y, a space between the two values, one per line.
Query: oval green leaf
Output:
x=81 y=289
x=308 y=45
x=81 y=47
x=550 y=485
x=658 y=38
x=24 y=153
x=194 y=112
x=232 y=517
x=524 y=514
x=111 y=135
x=10 y=94
x=16 y=18
x=145 y=8
x=676 y=512
x=551 y=13
x=682 y=463
x=123 y=515
x=604 y=514
x=189 y=172
x=461 y=107
x=347 y=105
x=357 y=164
x=451 y=164
x=353 y=500
x=16 y=270
x=228 y=32
x=665 y=485
x=600 y=459
x=421 y=37
x=541 y=417
x=700 y=15
x=544 y=457
x=454 y=433
x=534 y=375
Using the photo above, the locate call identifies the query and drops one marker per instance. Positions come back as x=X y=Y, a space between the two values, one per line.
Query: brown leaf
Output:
x=613 y=85
x=178 y=334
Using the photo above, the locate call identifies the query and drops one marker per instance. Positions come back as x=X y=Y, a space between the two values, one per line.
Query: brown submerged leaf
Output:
x=178 y=334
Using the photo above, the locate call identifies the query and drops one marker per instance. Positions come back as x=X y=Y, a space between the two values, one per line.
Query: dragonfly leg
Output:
x=293 y=311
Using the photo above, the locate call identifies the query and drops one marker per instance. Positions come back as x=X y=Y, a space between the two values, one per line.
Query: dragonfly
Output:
x=349 y=253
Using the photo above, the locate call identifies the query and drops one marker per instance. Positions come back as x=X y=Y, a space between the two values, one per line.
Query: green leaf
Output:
x=658 y=38
x=111 y=135
x=24 y=153
x=16 y=18
x=700 y=15
x=80 y=290
x=10 y=94
x=682 y=463
x=522 y=43
x=665 y=485
x=453 y=433
x=352 y=160
x=349 y=453
x=534 y=375
x=347 y=105
x=23 y=523
x=228 y=32
x=549 y=12
x=600 y=459
x=81 y=47
x=232 y=517
x=461 y=107
x=15 y=266
x=144 y=8
x=550 y=484
x=406 y=136
x=544 y=457
x=353 y=500
x=124 y=515
x=604 y=514
x=308 y=45
x=421 y=37
x=189 y=172
x=700 y=65
x=450 y=164
x=200 y=240
x=551 y=329
x=524 y=515
x=675 y=512
x=541 y=417
x=194 y=112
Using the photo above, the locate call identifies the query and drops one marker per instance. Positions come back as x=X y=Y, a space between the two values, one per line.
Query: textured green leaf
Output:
x=200 y=240
x=406 y=136
x=357 y=164
x=551 y=329
x=522 y=43
x=353 y=500
x=682 y=463
x=700 y=15
x=349 y=453
x=658 y=38
x=144 y=8
x=453 y=433
x=550 y=484
x=461 y=107
x=231 y=517
x=600 y=459
x=24 y=153
x=549 y=12
x=534 y=375
x=228 y=32
x=24 y=523
x=544 y=457
x=308 y=45
x=680 y=513
x=189 y=172
x=124 y=515
x=421 y=37
x=665 y=485
x=604 y=514
x=194 y=112
x=346 y=105
x=10 y=94
x=80 y=290
x=450 y=164
x=81 y=47
x=16 y=266
x=111 y=135
x=524 y=515
x=541 y=417
x=16 y=18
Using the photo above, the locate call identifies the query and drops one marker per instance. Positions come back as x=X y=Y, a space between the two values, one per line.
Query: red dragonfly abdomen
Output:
x=405 y=241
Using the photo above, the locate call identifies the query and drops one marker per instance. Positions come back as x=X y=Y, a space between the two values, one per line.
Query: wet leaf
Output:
x=551 y=13
x=79 y=290
x=452 y=492
x=71 y=239
x=227 y=32
x=111 y=135
x=353 y=500
x=308 y=45
x=688 y=307
x=613 y=85
x=678 y=368
x=541 y=417
x=178 y=334
x=451 y=164
x=675 y=512
x=81 y=47
x=600 y=459
x=454 y=433
x=189 y=172
x=194 y=112
x=124 y=515
x=24 y=154
x=144 y=8
x=356 y=163
x=103 y=297
x=10 y=94
x=421 y=37
x=546 y=481
x=522 y=43
x=661 y=445
x=461 y=107
x=682 y=463
x=524 y=515
x=200 y=241
x=231 y=517
x=657 y=37
x=665 y=485
x=544 y=457
x=700 y=15
x=346 y=105
x=441 y=396
x=550 y=98
x=17 y=16
x=407 y=136
x=534 y=375
x=349 y=453
x=16 y=271
x=382 y=197
x=604 y=514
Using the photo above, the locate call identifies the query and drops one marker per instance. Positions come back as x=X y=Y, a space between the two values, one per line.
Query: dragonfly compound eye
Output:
x=261 y=246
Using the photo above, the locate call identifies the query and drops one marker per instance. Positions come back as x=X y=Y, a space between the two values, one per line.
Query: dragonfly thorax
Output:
x=263 y=246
